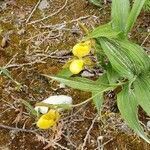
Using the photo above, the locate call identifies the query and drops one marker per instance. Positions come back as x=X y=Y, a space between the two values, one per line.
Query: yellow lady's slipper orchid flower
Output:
x=48 y=120
x=82 y=49
x=44 y=123
x=76 y=66
x=53 y=114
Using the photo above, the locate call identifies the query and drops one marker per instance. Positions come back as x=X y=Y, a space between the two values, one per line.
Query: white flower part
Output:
x=56 y=99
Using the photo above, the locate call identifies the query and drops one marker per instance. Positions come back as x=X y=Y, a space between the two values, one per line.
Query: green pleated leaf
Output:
x=127 y=105
x=119 y=61
x=120 y=12
x=84 y=84
x=98 y=100
x=98 y=96
x=142 y=92
x=112 y=75
x=102 y=79
x=100 y=55
x=103 y=31
x=147 y=5
x=76 y=83
x=137 y=56
x=80 y=83
x=135 y=11
x=65 y=72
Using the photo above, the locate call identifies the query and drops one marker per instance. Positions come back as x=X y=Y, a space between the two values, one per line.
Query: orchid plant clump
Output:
x=126 y=65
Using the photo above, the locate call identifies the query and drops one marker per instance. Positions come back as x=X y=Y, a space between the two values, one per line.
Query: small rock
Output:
x=1 y=30
x=4 y=42
x=62 y=85
x=20 y=32
x=148 y=125
x=87 y=74
x=43 y=5
x=100 y=138
x=4 y=147
x=3 y=5
x=56 y=99
x=36 y=43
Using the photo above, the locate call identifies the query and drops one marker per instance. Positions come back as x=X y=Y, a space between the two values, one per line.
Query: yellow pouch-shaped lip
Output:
x=48 y=120
x=76 y=66
x=82 y=49
x=43 y=123
x=53 y=114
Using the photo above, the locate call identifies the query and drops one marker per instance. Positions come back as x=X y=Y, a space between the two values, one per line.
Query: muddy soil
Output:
x=32 y=46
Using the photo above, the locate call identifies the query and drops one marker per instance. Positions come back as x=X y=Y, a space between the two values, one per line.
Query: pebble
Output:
x=43 y=5
x=148 y=125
